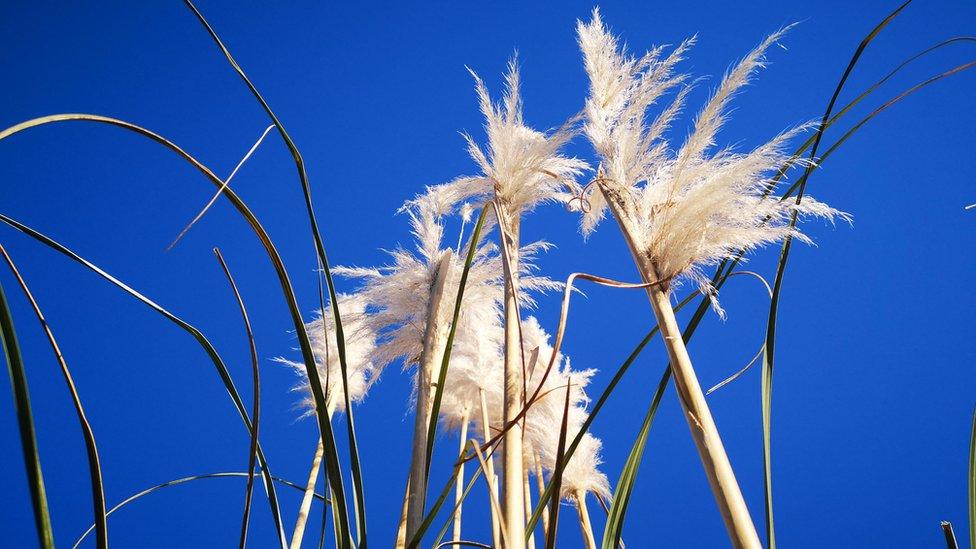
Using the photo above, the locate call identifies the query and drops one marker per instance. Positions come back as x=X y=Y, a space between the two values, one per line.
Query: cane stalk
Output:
x=704 y=432
x=586 y=527
x=435 y=338
x=459 y=482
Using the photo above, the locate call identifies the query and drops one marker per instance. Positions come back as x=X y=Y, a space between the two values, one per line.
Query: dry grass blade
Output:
x=185 y=480
x=193 y=331
x=972 y=484
x=494 y=500
x=94 y=464
x=25 y=421
x=220 y=190
x=359 y=494
x=464 y=495
x=256 y=406
x=446 y=360
x=557 y=476
x=950 y=536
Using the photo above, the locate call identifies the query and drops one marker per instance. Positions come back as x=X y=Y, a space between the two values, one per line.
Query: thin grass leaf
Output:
x=217 y=194
x=255 y=407
x=557 y=475
x=359 y=495
x=197 y=334
x=464 y=495
x=184 y=480
x=972 y=484
x=25 y=421
x=332 y=464
x=494 y=500
x=769 y=353
x=613 y=530
x=446 y=360
x=94 y=464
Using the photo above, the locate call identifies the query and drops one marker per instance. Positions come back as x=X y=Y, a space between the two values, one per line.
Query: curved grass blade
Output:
x=464 y=495
x=185 y=480
x=769 y=354
x=217 y=194
x=25 y=421
x=197 y=334
x=972 y=484
x=94 y=465
x=557 y=476
x=445 y=361
x=613 y=530
x=332 y=464
x=255 y=407
x=359 y=494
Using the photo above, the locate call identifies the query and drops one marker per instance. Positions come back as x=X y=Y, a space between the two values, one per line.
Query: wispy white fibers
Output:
x=520 y=166
x=397 y=295
x=360 y=345
x=685 y=208
x=543 y=421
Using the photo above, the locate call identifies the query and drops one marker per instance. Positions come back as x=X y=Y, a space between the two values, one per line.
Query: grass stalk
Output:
x=459 y=482
x=512 y=464
x=313 y=477
x=94 y=463
x=586 y=527
x=435 y=337
x=541 y=486
x=25 y=420
x=527 y=495
x=490 y=477
x=704 y=432
x=184 y=480
x=256 y=404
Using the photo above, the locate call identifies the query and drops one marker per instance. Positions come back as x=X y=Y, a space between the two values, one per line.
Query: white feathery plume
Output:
x=521 y=167
x=360 y=345
x=687 y=209
x=543 y=420
x=398 y=294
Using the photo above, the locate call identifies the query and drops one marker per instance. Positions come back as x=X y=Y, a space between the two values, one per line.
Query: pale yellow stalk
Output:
x=704 y=432
x=514 y=507
x=313 y=478
x=435 y=340
x=459 y=483
x=540 y=484
x=491 y=478
x=584 y=515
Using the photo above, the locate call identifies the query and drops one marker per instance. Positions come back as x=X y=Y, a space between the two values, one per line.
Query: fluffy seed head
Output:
x=689 y=208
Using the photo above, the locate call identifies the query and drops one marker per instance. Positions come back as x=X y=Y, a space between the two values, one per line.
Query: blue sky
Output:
x=874 y=383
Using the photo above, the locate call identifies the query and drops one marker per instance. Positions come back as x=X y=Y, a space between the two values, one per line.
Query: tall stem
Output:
x=718 y=469
x=527 y=495
x=540 y=482
x=313 y=478
x=459 y=483
x=514 y=508
x=704 y=432
x=435 y=338
x=584 y=515
x=491 y=477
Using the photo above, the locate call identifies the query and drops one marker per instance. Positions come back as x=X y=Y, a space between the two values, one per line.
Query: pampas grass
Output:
x=459 y=324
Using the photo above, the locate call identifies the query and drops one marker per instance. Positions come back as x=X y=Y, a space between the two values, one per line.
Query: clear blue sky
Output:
x=874 y=388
